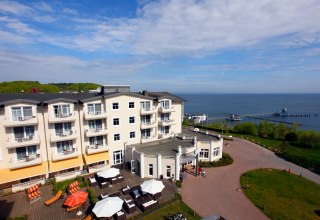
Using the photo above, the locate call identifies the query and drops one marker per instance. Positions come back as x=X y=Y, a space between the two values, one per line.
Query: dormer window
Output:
x=22 y=113
x=61 y=111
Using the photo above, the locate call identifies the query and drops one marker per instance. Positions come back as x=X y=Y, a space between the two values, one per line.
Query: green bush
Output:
x=83 y=182
x=92 y=196
x=178 y=183
x=224 y=161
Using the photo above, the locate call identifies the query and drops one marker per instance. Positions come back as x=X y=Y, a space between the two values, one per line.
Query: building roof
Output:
x=38 y=98
x=169 y=147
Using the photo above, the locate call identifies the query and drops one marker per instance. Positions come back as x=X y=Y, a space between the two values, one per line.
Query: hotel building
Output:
x=65 y=135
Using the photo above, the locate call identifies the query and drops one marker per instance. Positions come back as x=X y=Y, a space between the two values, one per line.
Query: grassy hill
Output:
x=35 y=86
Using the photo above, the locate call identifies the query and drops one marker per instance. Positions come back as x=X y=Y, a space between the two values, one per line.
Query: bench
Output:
x=148 y=205
x=53 y=199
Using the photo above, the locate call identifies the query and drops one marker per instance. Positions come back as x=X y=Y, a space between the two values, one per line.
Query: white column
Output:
x=142 y=165
x=221 y=148
x=132 y=152
x=211 y=151
x=159 y=165
x=195 y=142
x=177 y=174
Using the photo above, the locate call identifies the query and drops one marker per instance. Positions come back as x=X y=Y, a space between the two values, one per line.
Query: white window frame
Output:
x=132 y=135
x=216 y=151
x=93 y=106
x=165 y=103
x=116 y=137
x=115 y=154
x=129 y=105
x=150 y=168
x=114 y=104
x=203 y=153
x=134 y=120
x=21 y=110
x=113 y=121
x=168 y=168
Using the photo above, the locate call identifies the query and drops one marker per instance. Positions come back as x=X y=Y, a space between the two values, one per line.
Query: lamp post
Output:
x=196 y=152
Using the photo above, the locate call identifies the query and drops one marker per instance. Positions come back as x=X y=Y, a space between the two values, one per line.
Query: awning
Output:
x=55 y=166
x=93 y=158
x=7 y=175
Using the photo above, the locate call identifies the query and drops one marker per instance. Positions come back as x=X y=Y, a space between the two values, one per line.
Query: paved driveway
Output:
x=217 y=193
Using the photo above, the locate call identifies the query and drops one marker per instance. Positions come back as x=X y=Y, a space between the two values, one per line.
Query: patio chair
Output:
x=53 y=199
x=156 y=196
x=104 y=185
x=89 y=217
x=103 y=196
x=135 y=193
x=69 y=209
x=33 y=194
x=120 y=215
x=148 y=205
x=129 y=206
x=126 y=190
x=93 y=182
x=120 y=179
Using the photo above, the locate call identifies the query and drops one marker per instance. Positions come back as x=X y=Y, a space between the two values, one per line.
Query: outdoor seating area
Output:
x=77 y=206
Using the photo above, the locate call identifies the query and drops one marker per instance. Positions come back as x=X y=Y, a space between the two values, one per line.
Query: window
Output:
x=94 y=109
x=168 y=171
x=165 y=104
x=61 y=111
x=146 y=119
x=145 y=105
x=165 y=117
x=216 y=151
x=131 y=120
x=145 y=133
x=131 y=104
x=23 y=152
x=117 y=157
x=116 y=137
x=64 y=146
x=204 y=153
x=150 y=169
x=115 y=105
x=116 y=121
x=21 y=113
x=93 y=141
x=63 y=129
x=95 y=124
x=132 y=134
x=23 y=132
x=165 y=129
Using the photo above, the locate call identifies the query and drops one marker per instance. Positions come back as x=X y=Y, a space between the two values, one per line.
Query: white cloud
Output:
x=14 y=7
x=43 y=6
x=70 y=11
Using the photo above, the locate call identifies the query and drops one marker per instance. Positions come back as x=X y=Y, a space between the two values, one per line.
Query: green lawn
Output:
x=173 y=208
x=281 y=195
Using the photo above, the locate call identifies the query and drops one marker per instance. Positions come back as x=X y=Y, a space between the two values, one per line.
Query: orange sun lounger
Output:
x=53 y=199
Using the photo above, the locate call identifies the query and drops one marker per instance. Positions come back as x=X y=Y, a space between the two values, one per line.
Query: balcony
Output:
x=145 y=139
x=96 y=132
x=60 y=118
x=166 y=122
x=70 y=135
x=148 y=111
x=20 y=142
x=29 y=161
x=146 y=125
x=22 y=121
x=95 y=115
x=166 y=109
x=67 y=154
x=94 y=149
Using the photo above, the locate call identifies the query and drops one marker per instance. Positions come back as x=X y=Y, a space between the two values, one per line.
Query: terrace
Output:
x=16 y=205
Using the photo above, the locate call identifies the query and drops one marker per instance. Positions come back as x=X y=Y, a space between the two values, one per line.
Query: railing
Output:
x=20 y=121
x=92 y=149
x=148 y=110
x=95 y=113
x=65 y=133
x=24 y=118
x=66 y=154
x=67 y=173
x=30 y=160
x=22 y=186
x=65 y=115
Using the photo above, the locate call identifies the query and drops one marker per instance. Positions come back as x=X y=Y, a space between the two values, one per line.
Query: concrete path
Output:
x=218 y=194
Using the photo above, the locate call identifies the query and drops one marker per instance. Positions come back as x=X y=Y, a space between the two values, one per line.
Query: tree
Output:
x=264 y=129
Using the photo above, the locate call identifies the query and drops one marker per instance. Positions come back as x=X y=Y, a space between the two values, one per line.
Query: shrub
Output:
x=224 y=161
x=83 y=182
x=92 y=196
x=178 y=183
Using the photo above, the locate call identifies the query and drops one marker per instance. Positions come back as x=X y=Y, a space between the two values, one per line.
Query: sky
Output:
x=198 y=46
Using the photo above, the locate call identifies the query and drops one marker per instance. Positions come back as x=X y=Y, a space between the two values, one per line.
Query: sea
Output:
x=218 y=106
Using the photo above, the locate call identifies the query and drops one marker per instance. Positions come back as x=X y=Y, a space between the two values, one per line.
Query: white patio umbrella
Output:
x=109 y=173
x=107 y=207
x=152 y=186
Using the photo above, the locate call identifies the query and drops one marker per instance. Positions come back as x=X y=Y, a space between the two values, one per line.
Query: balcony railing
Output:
x=68 y=175
x=97 y=168
x=63 y=136
x=147 y=124
x=59 y=118
x=94 y=149
x=146 y=111
x=20 y=121
x=166 y=135
x=67 y=154
x=147 y=138
x=95 y=115
x=22 y=186
x=23 y=141
x=96 y=132
x=166 y=109
x=31 y=160
x=166 y=122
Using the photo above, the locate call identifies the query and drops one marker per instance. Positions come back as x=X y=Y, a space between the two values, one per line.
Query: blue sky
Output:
x=218 y=46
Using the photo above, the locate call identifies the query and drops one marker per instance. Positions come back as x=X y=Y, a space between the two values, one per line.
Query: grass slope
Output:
x=281 y=195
